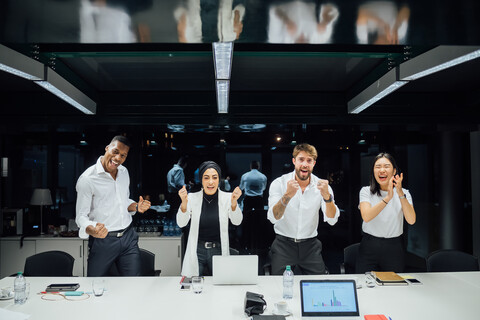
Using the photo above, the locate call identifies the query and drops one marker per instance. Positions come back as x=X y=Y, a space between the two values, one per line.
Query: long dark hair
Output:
x=374 y=186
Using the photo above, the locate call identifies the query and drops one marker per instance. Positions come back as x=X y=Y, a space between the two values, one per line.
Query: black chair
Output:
x=447 y=260
x=147 y=268
x=350 y=255
x=49 y=264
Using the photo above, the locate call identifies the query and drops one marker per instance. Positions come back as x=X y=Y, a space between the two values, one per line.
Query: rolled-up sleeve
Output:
x=184 y=217
x=331 y=221
x=274 y=194
x=235 y=216
x=83 y=207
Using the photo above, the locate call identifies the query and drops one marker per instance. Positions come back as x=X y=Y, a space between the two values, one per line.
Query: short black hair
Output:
x=255 y=165
x=122 y=139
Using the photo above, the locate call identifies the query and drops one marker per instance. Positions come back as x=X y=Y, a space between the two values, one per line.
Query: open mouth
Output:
x=382 y=178
x=113 y=164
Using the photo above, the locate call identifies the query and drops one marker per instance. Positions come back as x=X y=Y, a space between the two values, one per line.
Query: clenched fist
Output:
x=99 y=231
x=322 y=185
x=143 y=205
x=235 y=195
x=183 y=194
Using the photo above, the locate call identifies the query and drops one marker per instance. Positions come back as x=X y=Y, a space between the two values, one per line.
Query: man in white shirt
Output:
x=295 y=200
x=252 y=183
x=104 y=213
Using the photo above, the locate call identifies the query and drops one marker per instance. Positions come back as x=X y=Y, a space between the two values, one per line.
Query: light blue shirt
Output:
x=175 y=179
x=253 y=183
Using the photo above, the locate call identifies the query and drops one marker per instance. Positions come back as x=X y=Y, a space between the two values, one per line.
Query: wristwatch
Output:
x=329 y=199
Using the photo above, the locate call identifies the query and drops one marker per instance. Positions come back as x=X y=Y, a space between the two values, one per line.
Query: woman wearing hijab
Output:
x=209 y=209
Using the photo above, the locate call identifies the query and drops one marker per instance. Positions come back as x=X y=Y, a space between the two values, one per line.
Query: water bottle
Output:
x=288 y=283
x=20 y=285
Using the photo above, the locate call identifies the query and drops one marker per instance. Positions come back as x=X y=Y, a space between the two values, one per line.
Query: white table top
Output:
x=442 y=296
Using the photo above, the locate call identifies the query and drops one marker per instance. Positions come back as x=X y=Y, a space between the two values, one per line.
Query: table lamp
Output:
x=41 y=197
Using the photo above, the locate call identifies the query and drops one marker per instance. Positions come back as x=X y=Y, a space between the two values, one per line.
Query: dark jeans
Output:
x=304 y=257
x=380 y=254
x=204 y=256
x=123 y=251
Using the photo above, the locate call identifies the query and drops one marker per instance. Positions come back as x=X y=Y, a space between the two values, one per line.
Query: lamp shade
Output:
x=41 y=197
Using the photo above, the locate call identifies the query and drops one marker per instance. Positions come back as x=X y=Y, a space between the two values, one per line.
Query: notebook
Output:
x=388 y=278
x=329 y=298
x=235 y=269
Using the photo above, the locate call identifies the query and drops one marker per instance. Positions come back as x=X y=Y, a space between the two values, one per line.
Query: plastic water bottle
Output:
x=20 y=285
x=288 y=283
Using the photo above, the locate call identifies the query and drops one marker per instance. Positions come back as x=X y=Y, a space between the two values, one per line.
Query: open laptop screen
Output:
x=328 y=298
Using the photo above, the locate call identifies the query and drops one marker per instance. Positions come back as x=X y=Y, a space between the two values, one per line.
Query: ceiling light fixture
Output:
x=20 y=65
x=63 y=89
x=388 y=83
x=222 y=60
x=223 y=89
x=437 y=59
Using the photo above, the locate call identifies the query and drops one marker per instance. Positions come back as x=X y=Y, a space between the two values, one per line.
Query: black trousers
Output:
x=304 y=257
x=122 y=251
x=380 y=254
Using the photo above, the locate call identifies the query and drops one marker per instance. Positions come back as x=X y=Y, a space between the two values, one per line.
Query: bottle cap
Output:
x=288 y=268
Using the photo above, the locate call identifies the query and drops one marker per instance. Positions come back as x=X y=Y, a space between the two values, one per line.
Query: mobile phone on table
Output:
x=413 y=281
x=58 y=287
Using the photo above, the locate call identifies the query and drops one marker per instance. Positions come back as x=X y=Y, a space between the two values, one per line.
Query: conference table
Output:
x=441 y=296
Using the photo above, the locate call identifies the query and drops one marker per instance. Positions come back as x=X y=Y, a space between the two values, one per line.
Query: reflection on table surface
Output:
x=441 y=296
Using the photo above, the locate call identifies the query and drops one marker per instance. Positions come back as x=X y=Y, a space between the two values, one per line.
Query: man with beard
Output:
x=104 y=213
x=294 y=201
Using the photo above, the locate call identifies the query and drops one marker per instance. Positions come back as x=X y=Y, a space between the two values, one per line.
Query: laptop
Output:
x=329 y=298
x=235 y=269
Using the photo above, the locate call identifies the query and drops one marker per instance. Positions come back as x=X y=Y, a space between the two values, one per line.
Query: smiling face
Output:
x=210 y=180
x=304 y=164
x=383 y=171
x=115 y=154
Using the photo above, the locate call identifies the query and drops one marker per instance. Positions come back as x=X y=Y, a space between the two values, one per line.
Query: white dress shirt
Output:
x=389 y=222
x=300 y=220
x=254 y=183
x=102 y=199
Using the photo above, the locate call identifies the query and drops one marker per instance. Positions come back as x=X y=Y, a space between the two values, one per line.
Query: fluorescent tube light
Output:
x=63 y=89
x=223 y=90
x=16 y=63
x=437 y=59
x=376 y=91
x=222 y=58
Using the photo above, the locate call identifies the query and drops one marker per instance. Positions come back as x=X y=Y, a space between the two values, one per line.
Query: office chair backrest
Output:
x=147 y=265
x=49 y=264
x=350 y=255
x=447 y=260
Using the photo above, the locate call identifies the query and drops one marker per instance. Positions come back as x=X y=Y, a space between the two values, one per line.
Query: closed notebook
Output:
x=388 y=278
x=375 y=317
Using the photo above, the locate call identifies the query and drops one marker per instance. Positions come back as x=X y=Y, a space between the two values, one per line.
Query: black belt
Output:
x=293 y=239
x=209 y=244
x=119 y=233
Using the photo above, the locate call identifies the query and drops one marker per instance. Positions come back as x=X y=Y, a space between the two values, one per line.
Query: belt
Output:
x=294 y=239
x=209 y=244
x=119 y=233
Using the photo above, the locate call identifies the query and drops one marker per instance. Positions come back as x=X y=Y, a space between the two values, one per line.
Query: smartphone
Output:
x=56 y=287
x=413 y=281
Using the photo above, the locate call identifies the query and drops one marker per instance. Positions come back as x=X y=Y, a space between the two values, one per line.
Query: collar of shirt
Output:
x=100 y=169
x=301 y=216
